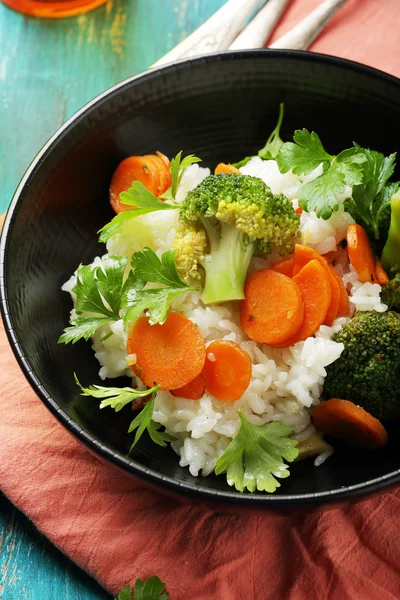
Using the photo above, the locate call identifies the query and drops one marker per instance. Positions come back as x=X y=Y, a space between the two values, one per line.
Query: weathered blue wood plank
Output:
x=32 y=569
x=48 y=70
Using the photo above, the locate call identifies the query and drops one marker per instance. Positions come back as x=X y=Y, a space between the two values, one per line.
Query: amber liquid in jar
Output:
x=53 y=8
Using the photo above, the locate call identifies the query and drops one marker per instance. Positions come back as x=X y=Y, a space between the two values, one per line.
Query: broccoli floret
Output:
x=241 y=217
x=368 y=370
x=190 y=244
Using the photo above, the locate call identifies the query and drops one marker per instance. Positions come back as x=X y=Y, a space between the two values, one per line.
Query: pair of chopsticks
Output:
x=227 y=29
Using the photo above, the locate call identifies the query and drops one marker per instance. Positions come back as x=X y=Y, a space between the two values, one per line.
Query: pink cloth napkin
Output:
x=117 y=530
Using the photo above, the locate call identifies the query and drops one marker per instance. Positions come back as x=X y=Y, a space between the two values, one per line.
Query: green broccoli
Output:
x=368 y=370
x=240 y=217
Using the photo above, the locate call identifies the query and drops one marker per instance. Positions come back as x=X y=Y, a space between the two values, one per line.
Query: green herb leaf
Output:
x=178 y=167
x=115 y=397
x=370 y=197
x=82 y=328
x=243 y=162
x=274 y=142
x=254 y=458
x=149 y=267
x=125 y=594
x=144 y=421
x=304 y=155
x=152 y=589
x=100 y=293
x=321 y=193
x=154 y=301
x=142 y=202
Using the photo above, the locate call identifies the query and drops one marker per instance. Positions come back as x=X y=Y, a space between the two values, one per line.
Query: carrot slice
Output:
x=380 y=273
x=344 y=304
x=299 y=210
x=302 y=256
x=151 y=170
x=223 y=168
x=344 y=420
x=170 y=355
x=193 y=390
x=329 y=256
x=285 y=266
x=163 y=171
x=360 y=253
x=227 y=370
x=273 y=307
x=333 y=308
x=315 y=289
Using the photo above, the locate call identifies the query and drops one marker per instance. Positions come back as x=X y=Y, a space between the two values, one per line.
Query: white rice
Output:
x=286 y=382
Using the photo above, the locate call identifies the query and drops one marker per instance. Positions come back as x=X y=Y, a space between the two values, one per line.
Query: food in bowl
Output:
x=249 y=307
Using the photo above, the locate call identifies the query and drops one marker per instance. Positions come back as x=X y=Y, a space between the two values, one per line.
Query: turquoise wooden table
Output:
x=48 y=70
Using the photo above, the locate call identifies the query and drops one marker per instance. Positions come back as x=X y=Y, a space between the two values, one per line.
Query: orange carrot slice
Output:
x=170 y=355
x=151 y=170
x=302 y=256
x=299 y=210
x=380 y=273
x=344 y=304
x=285 y=266
x=333 y=308
x=315 y=289
x=273 y=307
x=223 y=168
x=344 y=420
x=227 y=370
x=360 y=253
x=329 y=256
x=193 y=390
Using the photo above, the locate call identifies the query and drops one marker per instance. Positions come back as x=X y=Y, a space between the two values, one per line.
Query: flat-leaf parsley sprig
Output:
x=118 y=398
x=100 y=292
x=305 y=154
x=254 y=458
x=154 y=302
x=366 y=171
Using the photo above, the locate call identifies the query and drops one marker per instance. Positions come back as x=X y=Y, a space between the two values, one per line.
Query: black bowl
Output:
x=221 y=107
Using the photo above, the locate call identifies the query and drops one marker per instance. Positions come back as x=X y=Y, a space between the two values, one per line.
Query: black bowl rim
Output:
x=115 y=458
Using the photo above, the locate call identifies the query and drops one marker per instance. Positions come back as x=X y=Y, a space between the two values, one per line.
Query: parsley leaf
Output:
x=118 y=398
x=82 y=328
x=274 y=142
x=178 y=168
x=255 y=456
x=304 y=155
x=152 y=589
x=370 y=196
x=321 y=193
x=115 y=397
x=144 y=421
x=125 y=594
x=100 y=293
x=154 y=301
x=142 y=202
x=149 y=267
